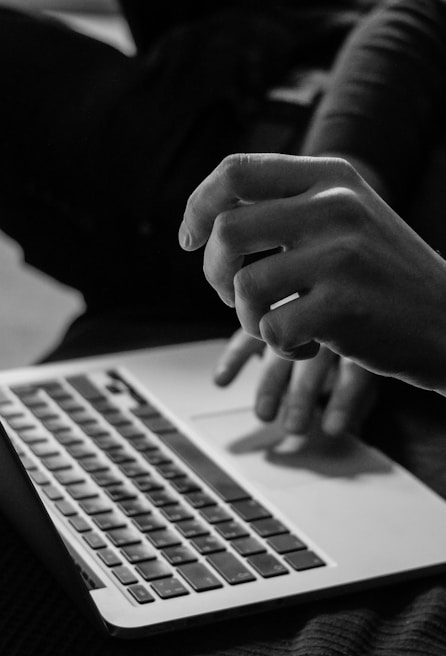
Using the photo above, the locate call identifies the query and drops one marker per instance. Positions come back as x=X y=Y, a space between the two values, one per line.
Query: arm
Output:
x=368 y=286
x=387 y=99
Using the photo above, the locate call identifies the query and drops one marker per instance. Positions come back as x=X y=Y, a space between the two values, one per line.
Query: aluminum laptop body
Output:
x=160 y=501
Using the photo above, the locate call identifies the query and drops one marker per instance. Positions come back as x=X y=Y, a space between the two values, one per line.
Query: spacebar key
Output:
x=204 y=467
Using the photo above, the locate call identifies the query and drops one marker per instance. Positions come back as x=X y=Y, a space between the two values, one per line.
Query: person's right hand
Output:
x=361 y=281
x=295 y=392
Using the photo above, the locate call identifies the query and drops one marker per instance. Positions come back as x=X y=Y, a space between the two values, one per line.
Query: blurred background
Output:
x=35 y=309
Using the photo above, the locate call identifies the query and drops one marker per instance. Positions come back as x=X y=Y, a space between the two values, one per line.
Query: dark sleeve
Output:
x=386 y=103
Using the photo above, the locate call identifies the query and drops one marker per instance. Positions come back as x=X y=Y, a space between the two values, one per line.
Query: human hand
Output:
x=369 y=287
x=293 y=391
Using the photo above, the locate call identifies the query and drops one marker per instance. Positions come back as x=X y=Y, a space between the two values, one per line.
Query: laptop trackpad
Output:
x=267 y=456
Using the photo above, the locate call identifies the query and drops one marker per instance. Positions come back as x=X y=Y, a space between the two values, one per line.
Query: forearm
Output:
x=387 y=99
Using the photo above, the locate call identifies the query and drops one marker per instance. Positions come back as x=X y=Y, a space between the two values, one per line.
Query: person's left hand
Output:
x=293 y=391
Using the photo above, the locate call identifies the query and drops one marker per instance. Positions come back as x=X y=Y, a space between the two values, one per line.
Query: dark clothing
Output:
x=387 y=100
x=90 y=170
x=103 y=150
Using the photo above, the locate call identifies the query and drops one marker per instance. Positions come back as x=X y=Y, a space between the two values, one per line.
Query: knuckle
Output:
x=346 y=253
x=233 y=167
x=347 y=206
x=246 y=284
x=225 y=228
x=342 y=168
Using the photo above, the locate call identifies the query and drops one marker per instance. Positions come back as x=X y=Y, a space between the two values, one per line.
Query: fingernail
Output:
x=294 y=422
x=184 y=236
x=266 y=407
x=226 y=300
x=222 y=375
x=334 y=424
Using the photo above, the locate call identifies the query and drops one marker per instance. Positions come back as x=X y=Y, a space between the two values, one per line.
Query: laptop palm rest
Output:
x=274 y=461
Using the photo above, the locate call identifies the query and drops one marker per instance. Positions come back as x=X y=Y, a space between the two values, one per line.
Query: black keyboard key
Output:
x=121 y=537
x=66 y=508
x=158 y=424
x=44 y=449
x=171 y=471
x=153 y=569
x=230 y=568
x=21 y=422
x=57 y=391
x=169 y=588
x=145 y=410
x=79 y=451
x=82 y=491
x=108 y=557
x=250 y=510
x=184 y=485
x=248 y=546
x=148 y=484
x=120 y=492
x=201 y=464
x=80 y=524
x=56 y=462
x=116 y=418
x=56 y=425
x=133 y=469
x=191 y=528
x=95 y=506
x=141 y=594
x=199 y=577
x=207 y=544
x=163 y=538
x=124 y=575
x=119 y=456
x=106 y=478
x=32 y=435
x=148 y=522
x=52 y=492
x=68 y=437
x=69 y=404
x=106 y=442
x=107 y=521
x=137 y=553
x=231 y=530
x=94 y=540
x=215 y=514
x=199 y=499
x=103 y=405
x=176 y=513
x=33 y=399
x=93 y=465
x=44 y=411
x=143 y=443
x=133 y=507
x=285 y=543
x=129 y=431
x=96 y=431
x=179 y=555
x=267 y=527
x=39 y=477
x=28 y=463
x=161 y=498
x=10 y=410
x=267 y=565
x=86 y=388
x=82 y=417
x=156 y=457
x=302 y=560
x=69 y=476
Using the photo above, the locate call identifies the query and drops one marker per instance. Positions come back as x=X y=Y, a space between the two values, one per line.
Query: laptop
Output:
x=159 y=501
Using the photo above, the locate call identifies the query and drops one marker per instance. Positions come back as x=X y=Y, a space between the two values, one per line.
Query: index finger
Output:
x=248 y=178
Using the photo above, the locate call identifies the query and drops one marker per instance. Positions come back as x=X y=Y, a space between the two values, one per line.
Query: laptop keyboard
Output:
x=152 y=508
